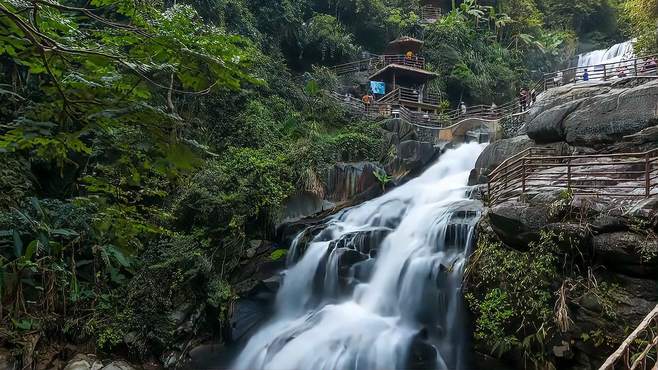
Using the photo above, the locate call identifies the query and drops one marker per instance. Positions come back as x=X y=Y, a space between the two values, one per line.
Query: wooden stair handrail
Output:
x=625 y=345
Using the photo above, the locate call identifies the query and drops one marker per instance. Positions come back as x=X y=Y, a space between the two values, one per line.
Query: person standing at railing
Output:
x=523 y=99
x=650 y=65
x=621 y=72
x=462 y=108
x=586 y=75
x=558 y=79
x=367 y=101
x=492 y=110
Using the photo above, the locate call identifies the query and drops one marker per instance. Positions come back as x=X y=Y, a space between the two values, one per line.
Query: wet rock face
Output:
x=412 y=156
x=496 y=153
x=346 y=180
x=348 y=262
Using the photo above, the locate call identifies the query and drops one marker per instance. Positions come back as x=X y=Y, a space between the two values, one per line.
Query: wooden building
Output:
x=405 y=77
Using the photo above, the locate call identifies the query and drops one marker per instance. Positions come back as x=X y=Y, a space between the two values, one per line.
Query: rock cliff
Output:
x=593 y=261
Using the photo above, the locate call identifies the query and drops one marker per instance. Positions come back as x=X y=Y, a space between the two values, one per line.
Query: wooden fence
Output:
x=613 y=175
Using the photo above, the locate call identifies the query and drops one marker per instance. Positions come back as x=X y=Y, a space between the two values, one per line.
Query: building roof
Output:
x=402 y=72
x=403 y=44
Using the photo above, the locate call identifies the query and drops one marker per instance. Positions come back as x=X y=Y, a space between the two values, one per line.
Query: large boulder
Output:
x=607 y=118
x=518 y=224
x=627 y=253
x=496 y=153
x=568 y=93
x=415 y=155
x=597 y=114
x=548 y=126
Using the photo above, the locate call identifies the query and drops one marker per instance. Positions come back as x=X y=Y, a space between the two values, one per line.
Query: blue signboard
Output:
x=378 y=87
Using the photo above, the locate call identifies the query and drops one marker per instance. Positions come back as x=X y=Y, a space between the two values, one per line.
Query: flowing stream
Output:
x=378 y=286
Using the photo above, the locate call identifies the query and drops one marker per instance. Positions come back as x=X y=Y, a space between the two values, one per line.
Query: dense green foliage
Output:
x=512 y=296
x=641 y=18
x=143 y=147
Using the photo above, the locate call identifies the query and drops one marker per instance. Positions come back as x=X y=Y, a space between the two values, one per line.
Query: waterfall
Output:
x=615 y=54
x=379 y=285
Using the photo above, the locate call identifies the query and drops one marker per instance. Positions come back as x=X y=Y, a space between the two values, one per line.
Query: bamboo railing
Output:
x=645 y=339
x=614 y=175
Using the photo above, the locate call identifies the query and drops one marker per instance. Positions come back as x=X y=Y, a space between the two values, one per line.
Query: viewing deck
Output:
x=377 y=62
x=430 y=13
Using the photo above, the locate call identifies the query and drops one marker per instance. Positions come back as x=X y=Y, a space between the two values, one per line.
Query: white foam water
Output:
x=614 y=54
x=380 y=286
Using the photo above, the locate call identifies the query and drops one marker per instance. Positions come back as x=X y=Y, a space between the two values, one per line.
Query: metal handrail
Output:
x=636 y=67
x=532 y=169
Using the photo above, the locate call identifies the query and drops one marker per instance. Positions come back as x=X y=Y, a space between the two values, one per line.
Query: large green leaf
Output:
x=18 y=244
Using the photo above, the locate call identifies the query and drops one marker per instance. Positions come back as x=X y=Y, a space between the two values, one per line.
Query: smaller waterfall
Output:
x=615 y=54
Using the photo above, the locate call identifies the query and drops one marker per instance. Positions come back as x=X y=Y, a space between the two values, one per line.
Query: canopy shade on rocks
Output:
x=404 y=44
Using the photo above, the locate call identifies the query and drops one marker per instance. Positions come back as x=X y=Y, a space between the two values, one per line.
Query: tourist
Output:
x=523 y=99
x=492 y=110
x=650 y=64
x=462 y=108
x=367 y=101
x=586 y=75
x=621 y=72
x=558 y=78
x=409 y=55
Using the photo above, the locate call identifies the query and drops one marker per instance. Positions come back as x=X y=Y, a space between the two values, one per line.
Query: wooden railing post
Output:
x=647 y=175
x=523 y=176
x=635 y=66
x=569 y=175
x=489 y=195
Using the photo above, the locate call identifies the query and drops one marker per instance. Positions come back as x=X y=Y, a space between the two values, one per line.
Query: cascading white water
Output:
x=379 y=286
x=615 y=54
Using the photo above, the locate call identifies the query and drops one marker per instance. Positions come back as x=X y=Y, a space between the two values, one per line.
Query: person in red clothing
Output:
x=367 y=101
